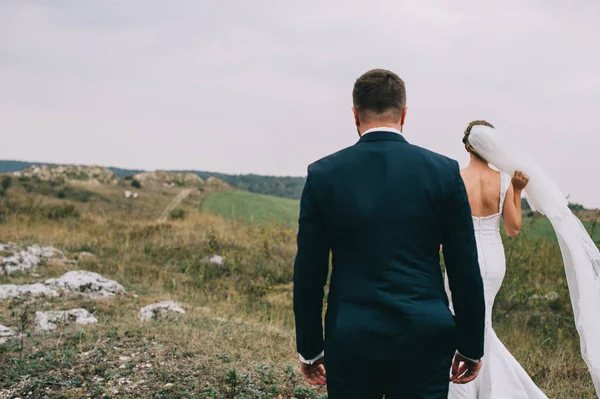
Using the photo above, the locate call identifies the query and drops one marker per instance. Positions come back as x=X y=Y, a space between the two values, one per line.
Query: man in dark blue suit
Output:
x=382 y=208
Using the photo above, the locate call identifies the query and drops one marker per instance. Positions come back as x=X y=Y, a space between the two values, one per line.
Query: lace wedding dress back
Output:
x=501 y=377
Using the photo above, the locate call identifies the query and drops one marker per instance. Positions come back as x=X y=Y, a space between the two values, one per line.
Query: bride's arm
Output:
x=513 y=214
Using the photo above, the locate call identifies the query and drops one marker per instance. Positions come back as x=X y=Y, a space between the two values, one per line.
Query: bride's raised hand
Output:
x=520 y=181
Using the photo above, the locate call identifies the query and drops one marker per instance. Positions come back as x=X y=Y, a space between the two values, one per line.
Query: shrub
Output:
x=135 y=183
x=77 y=194
x=576 y=207
x=59 y=212
x=6 y=183
x=177 y=214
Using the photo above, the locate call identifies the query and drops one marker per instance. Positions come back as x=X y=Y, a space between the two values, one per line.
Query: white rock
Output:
x=150 y=312
x=11 y=246
x=215 y=259
x=131 y=194
x=6 y=334
x=24 y=260
x=86 y=283
x=46 y=321
x=551 y=296
x=12 y=291
x=81 y=282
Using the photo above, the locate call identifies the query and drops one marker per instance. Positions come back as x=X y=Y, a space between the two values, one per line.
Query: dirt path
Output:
x=164 y=216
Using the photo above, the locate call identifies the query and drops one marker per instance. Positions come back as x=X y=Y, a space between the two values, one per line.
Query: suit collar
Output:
x=382 y=136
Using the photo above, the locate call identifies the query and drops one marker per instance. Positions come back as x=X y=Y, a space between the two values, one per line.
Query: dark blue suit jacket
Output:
x=382 y=208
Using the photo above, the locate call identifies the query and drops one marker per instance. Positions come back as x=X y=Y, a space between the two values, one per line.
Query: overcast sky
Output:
x=265 y=86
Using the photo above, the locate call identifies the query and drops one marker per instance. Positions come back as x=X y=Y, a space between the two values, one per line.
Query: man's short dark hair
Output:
x=379 y=95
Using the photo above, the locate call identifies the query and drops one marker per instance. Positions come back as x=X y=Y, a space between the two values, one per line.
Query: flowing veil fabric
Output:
x=580 y=254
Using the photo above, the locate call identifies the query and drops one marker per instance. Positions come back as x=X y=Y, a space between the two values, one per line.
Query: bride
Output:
x=502 y=376
x=494 y=195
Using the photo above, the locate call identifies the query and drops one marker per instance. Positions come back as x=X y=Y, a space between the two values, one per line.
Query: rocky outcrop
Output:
x=86 y=283
x=47 y=321
x=63 y=173
x=160 y=179
x=216 y=183
x=17 y=259
x=78 y=282
x=16 y=291
x=160 y=309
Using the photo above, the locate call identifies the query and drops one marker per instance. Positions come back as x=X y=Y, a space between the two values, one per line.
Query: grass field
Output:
x=253 y=208
x=541 y=227
x=263 y=209
x=237 y=338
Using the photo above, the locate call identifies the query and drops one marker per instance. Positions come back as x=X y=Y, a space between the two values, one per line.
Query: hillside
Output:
x=230 y=331
x=286 y=187
x=253 y=208
x=261 y=209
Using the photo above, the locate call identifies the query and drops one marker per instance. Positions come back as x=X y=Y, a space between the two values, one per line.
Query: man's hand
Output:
x=464 y=370
x=314 y=373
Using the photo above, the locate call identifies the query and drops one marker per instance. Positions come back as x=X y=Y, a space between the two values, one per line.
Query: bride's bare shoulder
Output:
x=479 y=171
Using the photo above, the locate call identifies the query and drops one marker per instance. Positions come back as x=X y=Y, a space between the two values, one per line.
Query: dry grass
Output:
x=236 y=339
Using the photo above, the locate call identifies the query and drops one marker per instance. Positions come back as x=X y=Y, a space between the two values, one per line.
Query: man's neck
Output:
x=363 y=128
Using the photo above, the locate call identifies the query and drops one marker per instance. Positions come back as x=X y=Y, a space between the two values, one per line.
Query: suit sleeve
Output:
x=464 y=276
x=310 y=275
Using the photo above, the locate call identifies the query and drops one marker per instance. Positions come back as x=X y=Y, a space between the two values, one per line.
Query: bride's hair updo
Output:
x=465 y=139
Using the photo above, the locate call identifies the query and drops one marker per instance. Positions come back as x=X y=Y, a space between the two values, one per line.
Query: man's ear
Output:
x=356 y=118
x=404 y=111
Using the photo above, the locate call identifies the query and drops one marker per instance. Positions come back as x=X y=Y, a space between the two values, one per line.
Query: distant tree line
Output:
x=15 y=166
x=278 y=186
x=573 y=206
x=285 y=186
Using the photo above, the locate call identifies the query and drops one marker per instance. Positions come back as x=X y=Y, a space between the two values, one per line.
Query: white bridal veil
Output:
x=580 y=255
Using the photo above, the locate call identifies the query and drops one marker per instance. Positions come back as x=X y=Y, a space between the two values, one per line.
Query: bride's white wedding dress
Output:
x=501 y=376
x=580 y=254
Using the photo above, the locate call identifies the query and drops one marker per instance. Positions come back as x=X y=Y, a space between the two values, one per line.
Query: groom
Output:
x=382 y=208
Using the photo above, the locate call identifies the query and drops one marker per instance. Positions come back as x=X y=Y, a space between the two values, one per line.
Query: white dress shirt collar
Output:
x=382 y=129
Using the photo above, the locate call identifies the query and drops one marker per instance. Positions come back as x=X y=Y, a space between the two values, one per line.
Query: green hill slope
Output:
x=253 y=208
x=540 y=226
